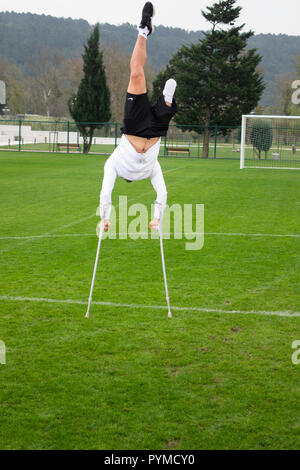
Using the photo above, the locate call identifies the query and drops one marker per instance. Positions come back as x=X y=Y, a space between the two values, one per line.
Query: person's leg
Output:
x=137 y=82
x=164 y=108
x=169 y=90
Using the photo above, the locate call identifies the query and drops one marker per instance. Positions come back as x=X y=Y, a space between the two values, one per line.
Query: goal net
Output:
x=270 y=142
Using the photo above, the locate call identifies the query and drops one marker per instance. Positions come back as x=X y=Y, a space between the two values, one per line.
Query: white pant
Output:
x=127 y=163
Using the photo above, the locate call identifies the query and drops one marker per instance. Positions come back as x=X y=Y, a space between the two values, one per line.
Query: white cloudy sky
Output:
x=263 y=16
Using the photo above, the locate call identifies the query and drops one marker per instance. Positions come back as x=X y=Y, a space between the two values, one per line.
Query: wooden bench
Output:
x=178 y=150
x=61 y=146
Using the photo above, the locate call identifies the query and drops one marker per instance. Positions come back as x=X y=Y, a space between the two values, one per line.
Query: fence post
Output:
x=20 y=134
x=215 y=151
x=165 y=147
x=68 y=136
x=116 y=134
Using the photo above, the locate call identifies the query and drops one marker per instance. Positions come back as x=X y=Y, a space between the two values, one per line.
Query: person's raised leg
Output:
x=137 y=82
x=165 y=108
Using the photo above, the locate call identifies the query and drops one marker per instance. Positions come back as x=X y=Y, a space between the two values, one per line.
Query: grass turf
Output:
x=129 y=377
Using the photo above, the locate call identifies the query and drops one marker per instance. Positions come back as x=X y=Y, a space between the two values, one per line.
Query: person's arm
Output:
x=158 y=183
x=108 y=183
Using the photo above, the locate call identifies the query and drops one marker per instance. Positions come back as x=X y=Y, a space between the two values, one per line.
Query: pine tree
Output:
x=217 y=78
x=91 y=105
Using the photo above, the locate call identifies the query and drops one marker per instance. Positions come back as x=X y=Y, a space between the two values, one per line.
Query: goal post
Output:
x=271 y=142
x=243 y=140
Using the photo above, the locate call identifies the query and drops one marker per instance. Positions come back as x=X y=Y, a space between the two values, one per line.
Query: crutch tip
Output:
x=169 y=314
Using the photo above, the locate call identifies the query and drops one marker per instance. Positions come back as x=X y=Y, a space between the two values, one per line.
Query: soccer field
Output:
x=218 y=375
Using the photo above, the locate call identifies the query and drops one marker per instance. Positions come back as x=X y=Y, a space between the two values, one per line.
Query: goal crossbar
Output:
x=264 y=116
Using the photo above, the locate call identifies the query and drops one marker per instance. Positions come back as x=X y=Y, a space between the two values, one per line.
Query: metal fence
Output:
x=64 y=137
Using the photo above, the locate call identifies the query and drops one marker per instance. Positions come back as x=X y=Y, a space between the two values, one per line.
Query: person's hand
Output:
x=154 y=224
x=106 y=225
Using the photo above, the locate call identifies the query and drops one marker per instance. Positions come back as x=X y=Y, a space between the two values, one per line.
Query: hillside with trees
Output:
x=35 y=47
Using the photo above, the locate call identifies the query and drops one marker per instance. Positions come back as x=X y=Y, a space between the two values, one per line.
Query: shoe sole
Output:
x=153 y=14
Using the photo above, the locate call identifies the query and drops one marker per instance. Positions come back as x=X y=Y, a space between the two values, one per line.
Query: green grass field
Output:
x=218 y=375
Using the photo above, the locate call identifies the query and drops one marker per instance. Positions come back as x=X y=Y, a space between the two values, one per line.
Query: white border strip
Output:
x=156 y=307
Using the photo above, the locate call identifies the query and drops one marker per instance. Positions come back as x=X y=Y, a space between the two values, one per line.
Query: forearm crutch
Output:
x=164 y=266
x=95 y=268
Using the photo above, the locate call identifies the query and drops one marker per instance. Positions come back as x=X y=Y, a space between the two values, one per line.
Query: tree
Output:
x=282 y=95
x=117 y=70
x=217 y=78
x=44 y=83
x=72 y=73
x=261 y=136
x=91 y=105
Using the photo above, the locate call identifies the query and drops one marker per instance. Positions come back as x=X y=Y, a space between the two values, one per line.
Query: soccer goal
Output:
x=270 y=142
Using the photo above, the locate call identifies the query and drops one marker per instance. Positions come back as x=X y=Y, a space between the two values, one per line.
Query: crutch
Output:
x=95 y=269
x=163 y=265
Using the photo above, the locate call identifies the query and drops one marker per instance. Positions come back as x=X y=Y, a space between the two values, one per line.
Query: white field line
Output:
x=174 y=169
x=156 y=307
x=78 y=221
x=64 y=235
x=166 y=234
x=48 y=234
x=229 y=234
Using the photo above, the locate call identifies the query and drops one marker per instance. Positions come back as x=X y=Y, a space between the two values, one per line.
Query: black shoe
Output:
x=147 y=14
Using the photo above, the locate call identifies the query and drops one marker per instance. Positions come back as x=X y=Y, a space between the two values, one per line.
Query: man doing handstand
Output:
x=144 y=124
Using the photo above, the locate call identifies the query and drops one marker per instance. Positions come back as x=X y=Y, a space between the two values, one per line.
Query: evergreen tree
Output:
x=261 y=136
x=91 y=105
x=217 y=78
